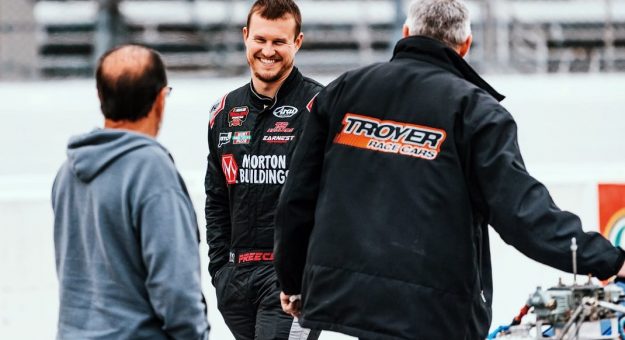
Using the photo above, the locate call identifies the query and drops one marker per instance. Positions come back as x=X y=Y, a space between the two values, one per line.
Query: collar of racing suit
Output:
x=435 y=52
x=289 y=83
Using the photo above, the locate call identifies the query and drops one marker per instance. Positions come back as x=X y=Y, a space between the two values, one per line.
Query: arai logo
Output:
x=285 y=112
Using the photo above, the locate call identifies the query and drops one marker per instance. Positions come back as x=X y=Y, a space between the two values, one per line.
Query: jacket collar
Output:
x=435 y=52
x=290 y=82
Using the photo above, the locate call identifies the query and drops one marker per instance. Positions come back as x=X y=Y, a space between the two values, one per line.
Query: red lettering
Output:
x=255 y=257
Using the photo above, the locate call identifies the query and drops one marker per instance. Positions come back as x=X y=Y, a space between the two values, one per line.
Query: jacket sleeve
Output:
x=170 y=244
x=217 y=211
x=518 y=206
x=296 y=207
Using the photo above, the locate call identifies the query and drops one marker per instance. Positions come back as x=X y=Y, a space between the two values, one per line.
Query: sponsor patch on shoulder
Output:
x=391 y=136
x=285 y=111
x=217 y=107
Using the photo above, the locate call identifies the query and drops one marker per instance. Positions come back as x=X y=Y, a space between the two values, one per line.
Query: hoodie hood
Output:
x=89 y=154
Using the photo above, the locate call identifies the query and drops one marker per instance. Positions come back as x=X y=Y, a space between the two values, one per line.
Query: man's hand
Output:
x=291 y=304
x=621 y=272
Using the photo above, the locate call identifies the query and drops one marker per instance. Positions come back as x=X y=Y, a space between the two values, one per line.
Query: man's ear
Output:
x=159 y=104
x=155 y=117
x=464 y=48
x=298 y=40
x=405 y=31
x=245 y=33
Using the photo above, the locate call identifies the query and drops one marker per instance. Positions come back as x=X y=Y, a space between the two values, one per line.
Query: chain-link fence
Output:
x=18 y=44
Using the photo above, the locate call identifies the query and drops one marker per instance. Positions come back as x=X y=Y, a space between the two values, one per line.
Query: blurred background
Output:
x=63 y=38
x=561 y=64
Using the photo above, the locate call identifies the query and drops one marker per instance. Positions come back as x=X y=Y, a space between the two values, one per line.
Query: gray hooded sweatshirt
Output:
x=126 y=241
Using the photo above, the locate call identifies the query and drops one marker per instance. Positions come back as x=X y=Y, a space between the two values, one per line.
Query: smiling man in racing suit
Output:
x=252 y=134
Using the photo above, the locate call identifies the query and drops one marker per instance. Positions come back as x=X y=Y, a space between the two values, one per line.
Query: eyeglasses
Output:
x=169 y=89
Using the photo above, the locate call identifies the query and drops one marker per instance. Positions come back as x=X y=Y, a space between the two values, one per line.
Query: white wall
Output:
x=570 y=131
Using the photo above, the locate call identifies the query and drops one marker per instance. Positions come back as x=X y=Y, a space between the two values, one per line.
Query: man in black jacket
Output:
x=252 y=134
x=382 y=224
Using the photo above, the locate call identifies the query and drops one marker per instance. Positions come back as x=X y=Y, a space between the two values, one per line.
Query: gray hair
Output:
x=444 y=20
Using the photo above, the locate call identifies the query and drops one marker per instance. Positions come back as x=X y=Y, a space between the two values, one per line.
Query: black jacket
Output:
x=400 y=169
x=251 y=139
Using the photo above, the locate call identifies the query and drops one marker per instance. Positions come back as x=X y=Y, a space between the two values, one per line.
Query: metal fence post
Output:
x=110 y=29
x=18 y=44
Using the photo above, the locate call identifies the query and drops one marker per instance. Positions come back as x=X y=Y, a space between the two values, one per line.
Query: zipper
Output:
x=274 y=100
x=479 y=263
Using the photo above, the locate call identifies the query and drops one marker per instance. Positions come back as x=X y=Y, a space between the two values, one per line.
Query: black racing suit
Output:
x=251 y=139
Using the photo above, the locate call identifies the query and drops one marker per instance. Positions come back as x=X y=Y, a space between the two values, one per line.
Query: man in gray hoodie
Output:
x=125 y=232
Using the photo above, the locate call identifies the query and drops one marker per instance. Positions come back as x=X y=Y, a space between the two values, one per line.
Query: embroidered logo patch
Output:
x=230 y=168
x=238 y=115
x=281 y=127
x=285 y=111
x=278 y=139
x=242 y=137
x=263 y=169
x=390 y=136
x=217 y=107
x=224 y=138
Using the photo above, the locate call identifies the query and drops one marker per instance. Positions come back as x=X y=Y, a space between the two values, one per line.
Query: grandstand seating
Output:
x=204 y=35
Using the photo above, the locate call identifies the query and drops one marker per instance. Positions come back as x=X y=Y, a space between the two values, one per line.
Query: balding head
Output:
x=129 y=79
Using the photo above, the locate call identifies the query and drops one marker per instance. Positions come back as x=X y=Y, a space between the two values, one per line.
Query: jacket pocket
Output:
x=221 y=280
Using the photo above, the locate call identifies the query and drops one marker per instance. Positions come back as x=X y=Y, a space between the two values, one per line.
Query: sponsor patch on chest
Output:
x=278 y=139
x=242 y=137
x=390 y=136
x=255 y=169
x=224 y=138
x=281 y=127
x=285 y=111
x=237 y=116
x=230 y=168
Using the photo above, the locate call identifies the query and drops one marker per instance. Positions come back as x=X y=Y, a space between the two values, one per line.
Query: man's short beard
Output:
x=274 y=78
